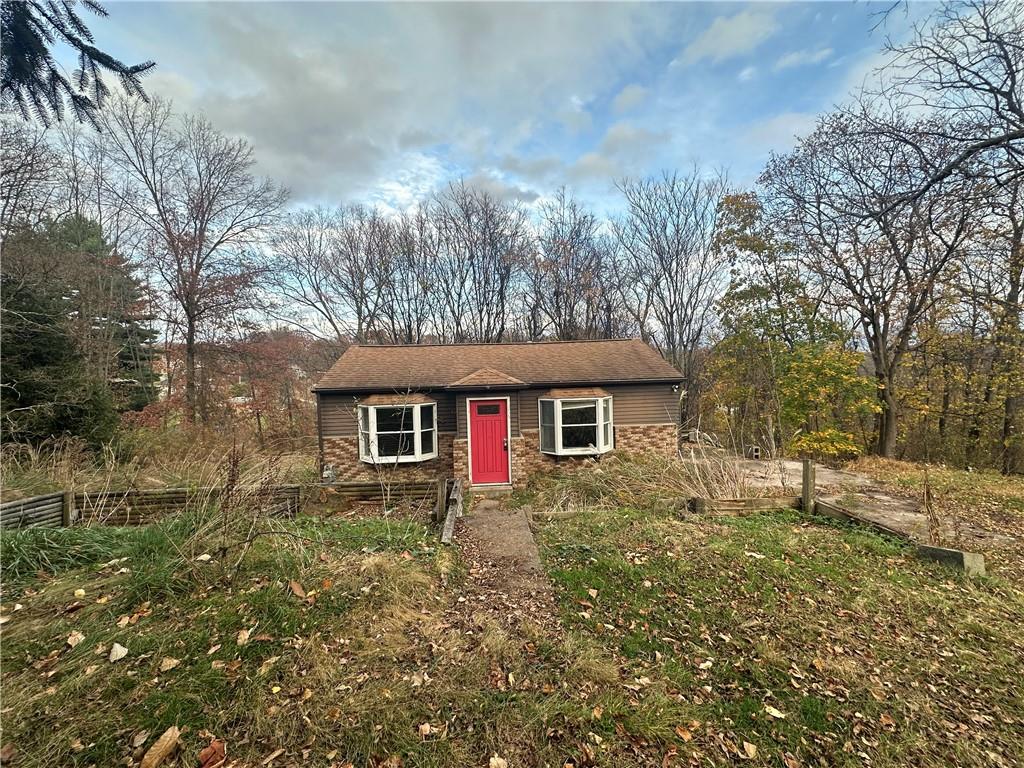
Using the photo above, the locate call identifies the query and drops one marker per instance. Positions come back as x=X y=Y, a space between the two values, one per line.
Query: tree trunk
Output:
x=191 y=399
x=886 y=423
x=1010 y=408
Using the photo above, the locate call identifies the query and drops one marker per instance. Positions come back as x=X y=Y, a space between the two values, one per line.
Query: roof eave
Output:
x=525 y=385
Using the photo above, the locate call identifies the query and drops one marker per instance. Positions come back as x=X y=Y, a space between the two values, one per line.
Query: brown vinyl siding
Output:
x=633 y=404
x=337 y=414
x=513 y=410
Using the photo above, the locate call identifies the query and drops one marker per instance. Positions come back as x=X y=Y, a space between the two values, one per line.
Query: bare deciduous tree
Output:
x=194 y=193
x=28 y=175
x=410 y=290
x=965 y=64
x=483 y=246
x=569 y=279
x=669 y=266
x=880 y=262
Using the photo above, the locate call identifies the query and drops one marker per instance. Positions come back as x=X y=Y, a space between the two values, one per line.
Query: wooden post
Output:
x=68 y=509
x=807 y=492
x=442 y=498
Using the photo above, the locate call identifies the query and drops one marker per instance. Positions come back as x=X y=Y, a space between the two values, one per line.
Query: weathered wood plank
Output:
x=827 y=509
x=744 y=506
x=454 y=511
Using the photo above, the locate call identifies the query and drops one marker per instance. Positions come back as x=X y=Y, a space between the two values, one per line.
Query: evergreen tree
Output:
x=32 y=82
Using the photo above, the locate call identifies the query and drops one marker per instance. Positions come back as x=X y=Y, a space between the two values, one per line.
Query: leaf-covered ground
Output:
x=983 y=500
x=799 y=643
x=759 y=641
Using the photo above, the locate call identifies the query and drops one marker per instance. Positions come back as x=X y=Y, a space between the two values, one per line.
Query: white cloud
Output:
x=335 y=96
x=747 y=74
x=629 y=98
x=802 y=58
x=780 y=131
x=730 y=36
x=575 y=117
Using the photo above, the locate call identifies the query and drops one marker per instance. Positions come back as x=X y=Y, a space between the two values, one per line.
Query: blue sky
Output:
x=386 y=102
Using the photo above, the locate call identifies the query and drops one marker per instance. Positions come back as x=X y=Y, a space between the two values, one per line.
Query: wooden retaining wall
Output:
x=132 y=507
x=145 y=506
x=46 y=511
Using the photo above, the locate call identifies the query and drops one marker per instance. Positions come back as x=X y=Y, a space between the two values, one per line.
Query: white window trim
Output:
x=373 y=457
x=598 y=403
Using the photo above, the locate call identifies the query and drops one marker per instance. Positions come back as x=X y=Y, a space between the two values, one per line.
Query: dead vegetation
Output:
x=643 y=481
x=143 y=459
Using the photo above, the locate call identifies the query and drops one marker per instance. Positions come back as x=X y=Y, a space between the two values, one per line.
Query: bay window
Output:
x=575 y=426
x=397 y=433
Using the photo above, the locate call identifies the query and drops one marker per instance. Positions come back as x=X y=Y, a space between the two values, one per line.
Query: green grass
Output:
x=379 y=647
x=677 y=636
x=863 y=648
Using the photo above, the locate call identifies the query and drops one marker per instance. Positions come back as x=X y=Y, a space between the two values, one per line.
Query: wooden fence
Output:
x=145 y=506
x=132 y=507
x=47 y=511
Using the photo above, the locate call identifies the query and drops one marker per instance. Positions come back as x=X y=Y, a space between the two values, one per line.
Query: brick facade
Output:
x=527 y=460
x=648 y=438
x=343 y=454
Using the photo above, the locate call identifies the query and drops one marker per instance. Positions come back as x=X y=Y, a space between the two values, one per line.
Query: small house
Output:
x=492 y=414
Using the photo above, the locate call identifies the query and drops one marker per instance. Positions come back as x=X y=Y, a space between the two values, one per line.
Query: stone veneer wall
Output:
x=660 y=439
x=641 y=438
x=527 y=460
x=343 y=454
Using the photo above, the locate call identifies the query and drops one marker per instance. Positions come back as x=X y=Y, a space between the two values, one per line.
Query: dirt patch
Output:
x=505 y=578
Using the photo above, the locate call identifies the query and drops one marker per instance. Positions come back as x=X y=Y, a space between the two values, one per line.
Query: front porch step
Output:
x=490 y=491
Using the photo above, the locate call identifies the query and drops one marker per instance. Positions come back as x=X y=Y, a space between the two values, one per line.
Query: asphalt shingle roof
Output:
x=438 y=366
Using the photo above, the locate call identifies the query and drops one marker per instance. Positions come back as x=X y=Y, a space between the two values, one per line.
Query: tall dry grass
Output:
x=144 y=458
x=644 y=480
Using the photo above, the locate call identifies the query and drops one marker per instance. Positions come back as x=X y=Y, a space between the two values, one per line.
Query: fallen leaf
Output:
x=7 y=752
x=749 y=750
x=168 y=663
x=789 y=761
x=598 y=711
x=497 y=762
x=162 y=749
x=139 y=738
x=117 y=652
x=684 y=733
x=592 y=593
x=774 y=712
x=203 y=558
x=755 y=555
x=213 y=756
x=213 y=649
x=297 y=589
x=243 y=637
x=424 y=730
x=75 y=638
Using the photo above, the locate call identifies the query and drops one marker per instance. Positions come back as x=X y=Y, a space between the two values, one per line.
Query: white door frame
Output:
x=508 y=436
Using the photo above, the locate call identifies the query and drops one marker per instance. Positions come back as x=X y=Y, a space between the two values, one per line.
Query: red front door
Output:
x=488 y=441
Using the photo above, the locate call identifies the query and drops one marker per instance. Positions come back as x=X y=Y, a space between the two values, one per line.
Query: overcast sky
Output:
x=385 y=102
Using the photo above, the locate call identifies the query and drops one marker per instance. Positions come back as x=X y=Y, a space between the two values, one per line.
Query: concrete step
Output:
x=490 y=491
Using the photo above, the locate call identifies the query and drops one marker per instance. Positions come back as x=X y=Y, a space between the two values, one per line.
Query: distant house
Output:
x=493 y=414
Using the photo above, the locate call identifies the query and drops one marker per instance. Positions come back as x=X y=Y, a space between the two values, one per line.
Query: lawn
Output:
x=766 y=640
x=797 y=643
